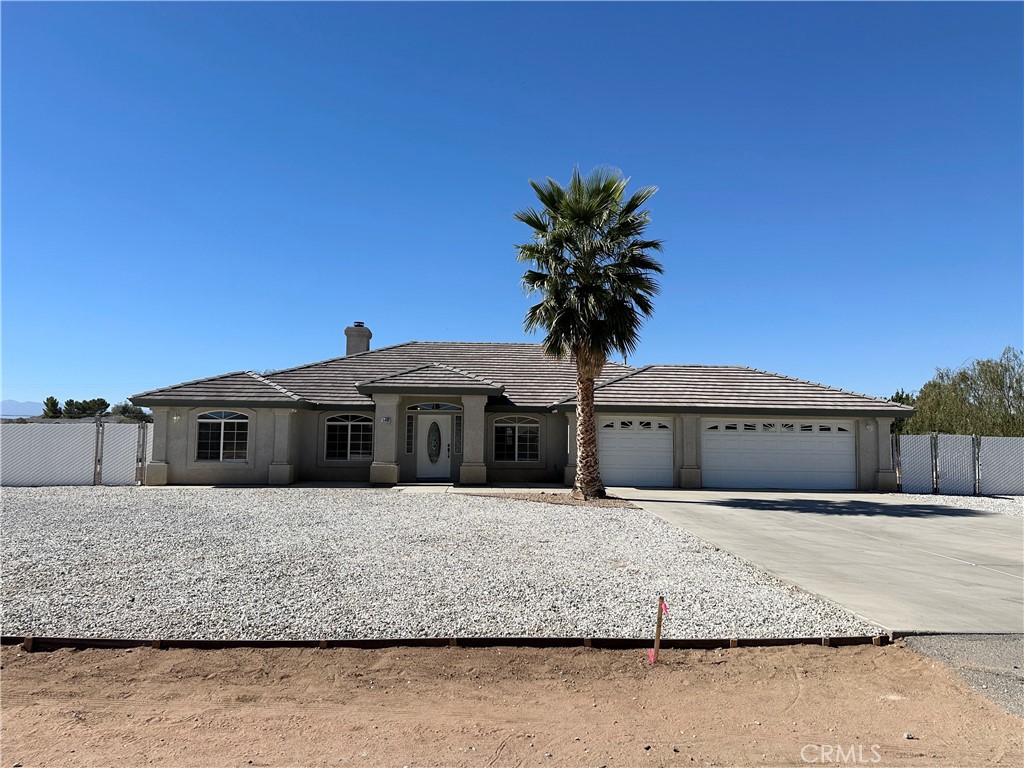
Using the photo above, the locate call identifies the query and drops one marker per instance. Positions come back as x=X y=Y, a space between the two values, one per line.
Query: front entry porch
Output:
x=428 y=438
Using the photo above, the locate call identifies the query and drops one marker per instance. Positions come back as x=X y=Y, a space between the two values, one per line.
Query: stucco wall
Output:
x=309 y=432
x=177 y=428
x=182 y=467
x=554 y=428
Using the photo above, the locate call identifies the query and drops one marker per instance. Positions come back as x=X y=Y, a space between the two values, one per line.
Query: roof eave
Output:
x=163 y=402
x=735 y=410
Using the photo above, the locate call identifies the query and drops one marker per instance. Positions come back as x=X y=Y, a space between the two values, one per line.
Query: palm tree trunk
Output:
x=588 y=483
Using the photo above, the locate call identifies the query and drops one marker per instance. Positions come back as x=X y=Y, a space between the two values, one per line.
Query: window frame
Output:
x=353 y=418
x=195 y=419
x=516 y=423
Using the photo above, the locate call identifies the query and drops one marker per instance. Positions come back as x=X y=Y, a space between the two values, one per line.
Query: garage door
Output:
x=771 y=453
x=635 y=450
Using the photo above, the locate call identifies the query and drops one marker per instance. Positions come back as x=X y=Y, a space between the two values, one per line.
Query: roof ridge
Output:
x=277 y=387
x=402 y=372
x=504 y=343
x=695 y=365
x=625 y=375
x=342 y=357
x=468 y=374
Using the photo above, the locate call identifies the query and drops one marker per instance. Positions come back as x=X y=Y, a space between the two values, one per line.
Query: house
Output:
x=498 y=412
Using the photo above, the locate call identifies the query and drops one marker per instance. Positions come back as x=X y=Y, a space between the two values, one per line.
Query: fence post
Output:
x=140 y=455
x=936 y=481
x=897 y=461
x=97 y=473
x=976 y=463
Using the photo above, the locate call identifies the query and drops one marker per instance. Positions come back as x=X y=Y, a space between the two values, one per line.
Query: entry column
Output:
x=474 y=469
x=384 y=469
x=282 y=470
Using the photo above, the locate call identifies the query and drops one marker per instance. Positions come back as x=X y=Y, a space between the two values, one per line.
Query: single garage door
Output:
x=772 y=453
x=635 y=450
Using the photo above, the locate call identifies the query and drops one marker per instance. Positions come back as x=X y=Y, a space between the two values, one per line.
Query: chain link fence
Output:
x=961 y=465
x=79 y=453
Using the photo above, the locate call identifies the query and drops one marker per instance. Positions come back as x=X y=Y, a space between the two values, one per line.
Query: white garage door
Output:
x=635 y=450
x=776 y=453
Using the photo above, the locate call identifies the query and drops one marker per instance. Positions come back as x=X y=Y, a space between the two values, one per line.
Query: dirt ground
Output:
x=796 y=705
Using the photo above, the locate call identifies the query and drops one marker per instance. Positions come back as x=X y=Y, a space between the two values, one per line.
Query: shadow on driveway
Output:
x=844 y=507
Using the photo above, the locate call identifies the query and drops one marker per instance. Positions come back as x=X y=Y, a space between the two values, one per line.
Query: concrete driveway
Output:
x=906 y=566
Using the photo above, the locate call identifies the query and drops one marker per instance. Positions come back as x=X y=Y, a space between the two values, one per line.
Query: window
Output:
x=434 y=407
x=645 y=425
x=516 y=438
x=730 y=427
x=747 y=427
x=457 y=439
x=787 y=427
x=664 y=425
x=824 y=427
x=711 y=428
x=806 y=427
x=349 y=438
x=410 y=432
x=625 y=425
x=768 y=427
x=222 y=436
x=607 y=425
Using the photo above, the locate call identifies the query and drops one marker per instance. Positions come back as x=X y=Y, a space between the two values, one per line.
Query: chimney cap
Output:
x=358 y=323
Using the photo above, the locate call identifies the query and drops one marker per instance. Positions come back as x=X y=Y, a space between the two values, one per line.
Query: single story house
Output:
x=498 y=412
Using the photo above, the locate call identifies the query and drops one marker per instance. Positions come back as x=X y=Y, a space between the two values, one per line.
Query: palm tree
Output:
x=593 y=268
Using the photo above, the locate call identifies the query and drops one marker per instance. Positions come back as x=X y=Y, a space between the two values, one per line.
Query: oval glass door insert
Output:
x=433 y=442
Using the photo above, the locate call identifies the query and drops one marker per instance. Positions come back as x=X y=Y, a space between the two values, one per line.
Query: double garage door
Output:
x=750 y=453
x=775 y=453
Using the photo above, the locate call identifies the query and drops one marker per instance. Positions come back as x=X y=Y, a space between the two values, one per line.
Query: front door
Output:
x=434 y=447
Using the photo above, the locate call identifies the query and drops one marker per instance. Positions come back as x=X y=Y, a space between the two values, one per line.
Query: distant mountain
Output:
x=13 y=408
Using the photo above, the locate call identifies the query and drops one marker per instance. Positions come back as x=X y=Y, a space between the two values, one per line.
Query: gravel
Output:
x=1000 y=505
x=993 y=665
x=329 y=563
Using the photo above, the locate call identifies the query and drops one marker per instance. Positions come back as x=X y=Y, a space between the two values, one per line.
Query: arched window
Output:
x=222 y=436
x=349 y=437
x=516 y=438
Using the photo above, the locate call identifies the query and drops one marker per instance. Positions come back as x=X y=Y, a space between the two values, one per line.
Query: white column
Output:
x=156 y=469
x=282 y=470
x=689 y=472
x=886 y=468
x=384 y=470
x=474 y=424
x=570 y=465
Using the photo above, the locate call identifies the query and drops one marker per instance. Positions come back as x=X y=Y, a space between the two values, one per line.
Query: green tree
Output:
x=127 y=412
x=81 y=409
x=51 y=408
x=903 y=398
x=593 y=268
x=985 y=397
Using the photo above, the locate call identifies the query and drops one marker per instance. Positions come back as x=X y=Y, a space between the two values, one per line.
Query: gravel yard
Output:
x=314 y=563
x=1000 y=505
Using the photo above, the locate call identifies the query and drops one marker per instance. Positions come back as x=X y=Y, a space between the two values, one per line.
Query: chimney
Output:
x=357 y=338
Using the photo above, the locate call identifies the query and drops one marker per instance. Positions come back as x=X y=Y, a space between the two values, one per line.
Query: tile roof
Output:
x=238 y=386
x=432 y=376
x=736 y=389
x=531 y=379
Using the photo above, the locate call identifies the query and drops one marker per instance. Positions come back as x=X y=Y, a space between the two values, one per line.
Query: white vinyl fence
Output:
x=961 y=464
x=80 y=453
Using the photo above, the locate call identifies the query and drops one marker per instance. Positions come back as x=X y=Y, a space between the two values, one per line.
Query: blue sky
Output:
x=190 y=189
